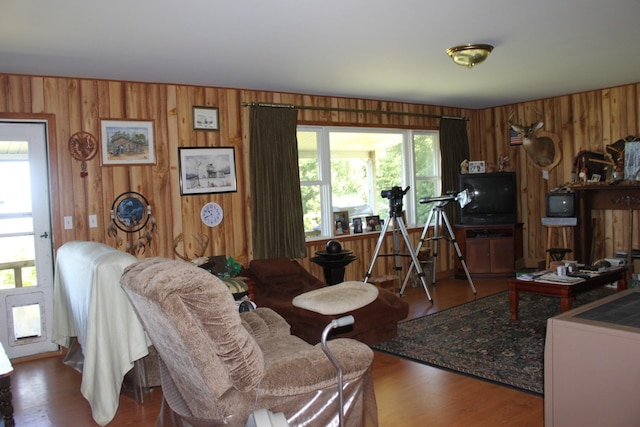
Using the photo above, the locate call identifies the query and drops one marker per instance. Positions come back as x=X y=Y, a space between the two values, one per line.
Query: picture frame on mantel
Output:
x=206 y=118
x=127 y=142
x=477 y=166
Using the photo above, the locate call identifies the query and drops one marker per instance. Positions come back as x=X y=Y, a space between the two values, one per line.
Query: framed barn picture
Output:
x=127 y=142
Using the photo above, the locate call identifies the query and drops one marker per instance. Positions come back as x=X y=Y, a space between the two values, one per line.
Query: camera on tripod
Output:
x=395 y=196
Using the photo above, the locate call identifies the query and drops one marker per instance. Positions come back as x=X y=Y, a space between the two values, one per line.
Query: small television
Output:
x=494 y=198
x=561 y=204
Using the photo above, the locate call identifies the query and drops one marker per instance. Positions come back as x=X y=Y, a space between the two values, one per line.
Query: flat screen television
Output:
x=494 y=198
x=561 y=205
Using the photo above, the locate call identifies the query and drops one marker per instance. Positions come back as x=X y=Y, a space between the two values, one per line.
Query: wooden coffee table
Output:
x=566 y=292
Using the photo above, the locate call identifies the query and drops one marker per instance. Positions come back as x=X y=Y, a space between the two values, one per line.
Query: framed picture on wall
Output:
x=207 y=170
x=205 y=118
x=514 y=137
x=632 y=160
x=127 y=142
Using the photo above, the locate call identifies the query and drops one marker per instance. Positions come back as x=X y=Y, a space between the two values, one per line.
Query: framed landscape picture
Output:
x=207 y=170
x=127 y=142
x=205 y=118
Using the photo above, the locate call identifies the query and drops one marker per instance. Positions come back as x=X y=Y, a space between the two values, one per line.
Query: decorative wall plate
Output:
x=130 y=212
x=83 y=146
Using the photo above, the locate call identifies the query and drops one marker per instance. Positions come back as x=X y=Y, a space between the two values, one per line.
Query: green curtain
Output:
x=276 y=202
x=454 y=148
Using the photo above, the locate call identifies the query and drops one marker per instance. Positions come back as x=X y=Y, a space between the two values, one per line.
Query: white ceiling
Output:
x=378 y=49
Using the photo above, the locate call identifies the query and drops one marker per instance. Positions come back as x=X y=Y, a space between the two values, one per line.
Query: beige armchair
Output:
x=218 y=366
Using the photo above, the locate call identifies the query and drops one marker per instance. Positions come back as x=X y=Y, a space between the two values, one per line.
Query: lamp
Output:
x=470 y=54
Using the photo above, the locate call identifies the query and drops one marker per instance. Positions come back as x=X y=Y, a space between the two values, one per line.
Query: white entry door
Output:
x=26 y=252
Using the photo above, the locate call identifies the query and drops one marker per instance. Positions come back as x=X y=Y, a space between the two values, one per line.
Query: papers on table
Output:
x=548 y=277
x=554 y=278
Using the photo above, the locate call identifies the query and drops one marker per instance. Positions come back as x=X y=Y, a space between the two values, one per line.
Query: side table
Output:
x=334 y=265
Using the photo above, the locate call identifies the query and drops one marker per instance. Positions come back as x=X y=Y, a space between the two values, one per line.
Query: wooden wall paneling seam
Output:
x=74 y=124
x=36 y=94
x=105 y=174
x=55 y=100
x=93 y=183
x=161 y=192
x=169 y=207
x=238 y=235
x=18 y=95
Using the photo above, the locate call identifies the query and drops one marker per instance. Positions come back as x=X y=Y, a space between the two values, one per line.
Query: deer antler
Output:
x=176 y=242
x=201 y=240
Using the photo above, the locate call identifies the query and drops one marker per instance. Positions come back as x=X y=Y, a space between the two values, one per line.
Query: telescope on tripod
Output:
x=395 y=196
x=437 y=212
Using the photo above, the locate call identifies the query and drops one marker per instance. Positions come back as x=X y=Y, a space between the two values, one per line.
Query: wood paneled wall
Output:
x=588 y=120
x=79 y=104
x=583 y=121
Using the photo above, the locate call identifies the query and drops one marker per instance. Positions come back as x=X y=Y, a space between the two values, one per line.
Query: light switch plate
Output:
x=68 y=222
x=93 y=221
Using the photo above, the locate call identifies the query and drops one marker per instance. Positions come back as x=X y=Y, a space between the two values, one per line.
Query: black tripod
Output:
x=440 y=217
x=395 y=214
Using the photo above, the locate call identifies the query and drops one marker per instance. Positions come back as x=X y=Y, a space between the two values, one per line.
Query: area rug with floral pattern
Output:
x=479 y=339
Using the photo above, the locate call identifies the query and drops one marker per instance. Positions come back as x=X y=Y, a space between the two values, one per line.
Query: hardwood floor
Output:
x=47 y=393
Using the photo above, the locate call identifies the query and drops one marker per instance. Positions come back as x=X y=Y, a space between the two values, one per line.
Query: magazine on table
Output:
x=554 y=278
x=548 y=277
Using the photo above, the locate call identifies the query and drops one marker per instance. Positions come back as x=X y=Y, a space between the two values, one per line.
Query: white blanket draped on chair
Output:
x=90 y=304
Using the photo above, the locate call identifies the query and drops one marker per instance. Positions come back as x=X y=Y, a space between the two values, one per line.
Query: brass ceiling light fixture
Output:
x=469 y=55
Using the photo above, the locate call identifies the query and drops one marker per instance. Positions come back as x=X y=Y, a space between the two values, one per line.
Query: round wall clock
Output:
x=211 y=214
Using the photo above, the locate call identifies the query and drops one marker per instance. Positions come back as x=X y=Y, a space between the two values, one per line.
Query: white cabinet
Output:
x=592 y=367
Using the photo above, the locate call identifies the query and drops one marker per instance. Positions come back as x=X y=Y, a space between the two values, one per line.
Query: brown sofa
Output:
x=278 y=281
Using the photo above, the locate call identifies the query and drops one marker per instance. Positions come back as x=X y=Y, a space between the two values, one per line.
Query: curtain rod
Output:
x=353 y=110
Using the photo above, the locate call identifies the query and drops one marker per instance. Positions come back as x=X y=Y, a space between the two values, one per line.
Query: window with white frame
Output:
x=346 y=169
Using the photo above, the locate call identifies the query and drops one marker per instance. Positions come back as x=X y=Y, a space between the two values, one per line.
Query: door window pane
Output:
x=27 y=322
x=17 y=265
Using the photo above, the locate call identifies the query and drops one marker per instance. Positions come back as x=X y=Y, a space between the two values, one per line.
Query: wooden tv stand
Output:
x=489 y=251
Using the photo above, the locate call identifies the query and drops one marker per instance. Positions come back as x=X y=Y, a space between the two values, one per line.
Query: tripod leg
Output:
x=436 y=237
x=414 y=259
x=420 y=242
x=460 y=257
x=377 y=249
x=396 y=253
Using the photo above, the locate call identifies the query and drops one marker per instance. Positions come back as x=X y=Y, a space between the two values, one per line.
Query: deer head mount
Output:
x=542 y=147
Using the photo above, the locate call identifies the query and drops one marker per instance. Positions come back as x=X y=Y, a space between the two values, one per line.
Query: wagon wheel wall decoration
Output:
x=131 y=213
x=83 y=146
